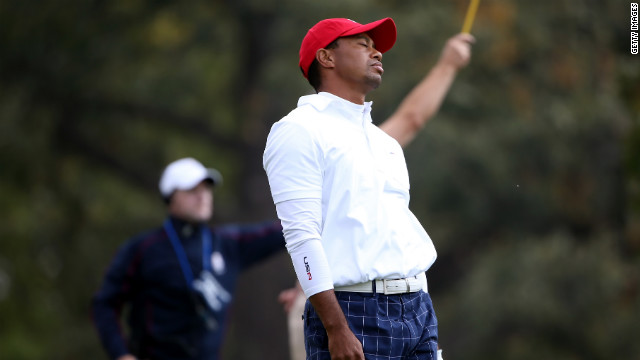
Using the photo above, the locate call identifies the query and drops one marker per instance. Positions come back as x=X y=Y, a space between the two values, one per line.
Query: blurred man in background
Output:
x=178 y=280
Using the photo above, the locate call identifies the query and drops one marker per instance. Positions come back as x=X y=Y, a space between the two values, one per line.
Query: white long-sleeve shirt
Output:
x=341 y=189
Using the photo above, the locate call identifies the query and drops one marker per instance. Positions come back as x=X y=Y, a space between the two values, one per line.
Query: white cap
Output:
x=185 y=174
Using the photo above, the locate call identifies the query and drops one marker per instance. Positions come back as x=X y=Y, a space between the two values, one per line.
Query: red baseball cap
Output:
x=382 y=32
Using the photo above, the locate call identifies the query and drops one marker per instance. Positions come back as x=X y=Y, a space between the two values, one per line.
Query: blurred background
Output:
x=528 y=179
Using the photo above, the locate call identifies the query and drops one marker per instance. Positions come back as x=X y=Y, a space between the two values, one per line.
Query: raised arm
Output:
x=425 y=99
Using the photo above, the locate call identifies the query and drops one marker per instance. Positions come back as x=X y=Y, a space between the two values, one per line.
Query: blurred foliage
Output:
x=528 y=180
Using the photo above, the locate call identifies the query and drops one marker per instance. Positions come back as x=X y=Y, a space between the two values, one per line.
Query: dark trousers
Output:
x=389 y=327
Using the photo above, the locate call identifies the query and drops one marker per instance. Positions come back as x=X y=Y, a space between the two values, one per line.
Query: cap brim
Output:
x=383 y=33
x=212 y=176
x=215 y=176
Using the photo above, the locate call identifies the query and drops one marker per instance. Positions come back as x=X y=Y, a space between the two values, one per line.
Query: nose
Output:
x=377 y=54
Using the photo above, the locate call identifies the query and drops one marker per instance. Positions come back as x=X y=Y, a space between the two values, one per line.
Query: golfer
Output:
x=341 y=189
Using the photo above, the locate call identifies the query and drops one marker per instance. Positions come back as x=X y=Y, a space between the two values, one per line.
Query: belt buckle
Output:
x=395 y=289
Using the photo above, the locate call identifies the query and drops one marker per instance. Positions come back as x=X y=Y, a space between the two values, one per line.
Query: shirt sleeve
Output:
x=301 y=221
x=108 y=302
x=293 y=162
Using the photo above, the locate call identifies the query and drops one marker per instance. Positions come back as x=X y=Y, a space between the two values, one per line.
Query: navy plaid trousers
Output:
x=402 y=326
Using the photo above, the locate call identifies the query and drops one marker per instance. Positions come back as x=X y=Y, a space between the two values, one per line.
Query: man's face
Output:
x=358 y=62
x=194 y=205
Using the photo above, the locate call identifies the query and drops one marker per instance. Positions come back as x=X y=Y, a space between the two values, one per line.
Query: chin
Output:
x=201 y=217
x=374 y=81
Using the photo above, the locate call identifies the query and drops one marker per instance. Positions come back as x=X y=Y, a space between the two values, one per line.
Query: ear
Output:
x=325 y=58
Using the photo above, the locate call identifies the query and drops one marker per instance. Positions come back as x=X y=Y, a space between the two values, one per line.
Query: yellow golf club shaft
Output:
x=471 y=14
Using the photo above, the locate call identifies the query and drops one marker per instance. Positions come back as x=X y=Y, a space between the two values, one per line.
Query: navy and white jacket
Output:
x=145 y=277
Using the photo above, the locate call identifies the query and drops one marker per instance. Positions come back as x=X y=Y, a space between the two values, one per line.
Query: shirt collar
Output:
x=185 y=229
x=322 y=100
